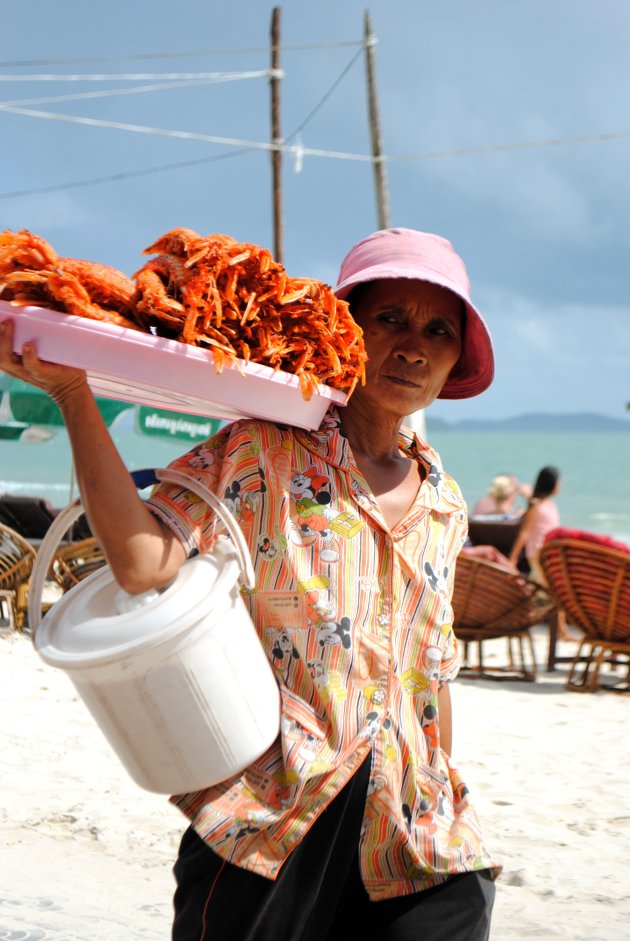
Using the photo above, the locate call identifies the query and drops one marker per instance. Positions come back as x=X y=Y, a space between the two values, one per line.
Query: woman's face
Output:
x=413 y=337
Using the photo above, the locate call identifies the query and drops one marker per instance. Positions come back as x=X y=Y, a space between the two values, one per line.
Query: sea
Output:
x=595 y=467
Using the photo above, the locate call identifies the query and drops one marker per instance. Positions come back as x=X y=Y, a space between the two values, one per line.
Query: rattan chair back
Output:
x=75 y=561
x=489 y=602
x=16 y=562
x=590 y=582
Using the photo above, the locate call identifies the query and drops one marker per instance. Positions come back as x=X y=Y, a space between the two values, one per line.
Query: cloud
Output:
x=532 y=335
x=569 y=333
x=578 y=352
x=536 y=192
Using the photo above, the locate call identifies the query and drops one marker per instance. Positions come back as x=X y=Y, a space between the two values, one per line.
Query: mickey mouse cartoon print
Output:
x=242 y=496
x=331 y=633
x=435 y=476
x=316 y=521
x=310 y=494
x=269 y=548
x=436 y=579
x=232 y=498
x=311 y=501
x=203 y=456
x=310 y=484
x=284 y=652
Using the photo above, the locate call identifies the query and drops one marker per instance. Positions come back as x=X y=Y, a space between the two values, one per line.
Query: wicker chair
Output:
x=591 y=583
x=16 y=562
x=498 y=533
x=75 y=561
x=491 y=602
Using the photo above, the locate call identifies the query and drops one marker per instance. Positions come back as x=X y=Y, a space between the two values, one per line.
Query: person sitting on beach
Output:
x=356 y=811
x=500 y=500
x=540 y=518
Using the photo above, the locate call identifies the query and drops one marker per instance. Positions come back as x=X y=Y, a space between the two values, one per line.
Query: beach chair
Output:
x=74 y=561
x=589 y=580
x=491 y=602
x=500 y=533
x=16 y=562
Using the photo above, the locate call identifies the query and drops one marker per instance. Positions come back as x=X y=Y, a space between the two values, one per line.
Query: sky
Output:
x=468 y=93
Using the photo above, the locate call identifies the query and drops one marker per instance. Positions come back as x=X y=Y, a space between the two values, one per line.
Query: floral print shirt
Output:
x=356 y=621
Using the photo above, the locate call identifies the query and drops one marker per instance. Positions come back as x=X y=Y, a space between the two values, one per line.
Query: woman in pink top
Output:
x=540 y=518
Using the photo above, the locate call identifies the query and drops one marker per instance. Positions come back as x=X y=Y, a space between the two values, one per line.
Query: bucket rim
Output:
x=184 y=623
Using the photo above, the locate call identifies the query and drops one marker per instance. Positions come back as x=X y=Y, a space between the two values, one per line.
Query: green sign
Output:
x=166 y=424
x=29 y=404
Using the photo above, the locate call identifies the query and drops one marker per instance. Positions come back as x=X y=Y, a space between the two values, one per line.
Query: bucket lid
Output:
x=95 y=621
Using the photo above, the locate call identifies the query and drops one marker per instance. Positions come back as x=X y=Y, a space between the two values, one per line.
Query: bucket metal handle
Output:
x=142 y=479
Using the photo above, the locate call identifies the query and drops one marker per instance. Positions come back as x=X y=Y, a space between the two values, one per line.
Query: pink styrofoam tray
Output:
x=137 y=367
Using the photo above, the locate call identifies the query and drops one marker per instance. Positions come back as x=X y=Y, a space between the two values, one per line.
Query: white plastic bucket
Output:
x=177 y=680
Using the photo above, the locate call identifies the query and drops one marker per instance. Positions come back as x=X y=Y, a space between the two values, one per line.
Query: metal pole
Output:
x=380 y=171
x=276 y=138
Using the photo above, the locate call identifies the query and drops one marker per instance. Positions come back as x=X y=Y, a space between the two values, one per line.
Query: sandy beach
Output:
x=88 y=855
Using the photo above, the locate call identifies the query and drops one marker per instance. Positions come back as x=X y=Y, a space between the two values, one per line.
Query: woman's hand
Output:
x=489 y=554
x=59 y=382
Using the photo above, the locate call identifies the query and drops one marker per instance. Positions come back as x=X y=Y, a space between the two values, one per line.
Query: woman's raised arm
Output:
x=141 y=551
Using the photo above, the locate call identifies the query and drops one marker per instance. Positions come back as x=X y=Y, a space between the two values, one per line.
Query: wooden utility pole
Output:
x=380 y=171
x=276 y=138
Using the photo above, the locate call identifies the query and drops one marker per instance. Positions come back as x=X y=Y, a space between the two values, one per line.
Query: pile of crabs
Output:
x=210 y=291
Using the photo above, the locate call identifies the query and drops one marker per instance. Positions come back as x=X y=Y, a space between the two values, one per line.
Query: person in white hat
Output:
x=357 y=814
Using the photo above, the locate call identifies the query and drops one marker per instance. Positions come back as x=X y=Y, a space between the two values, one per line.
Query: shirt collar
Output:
x=438 y=490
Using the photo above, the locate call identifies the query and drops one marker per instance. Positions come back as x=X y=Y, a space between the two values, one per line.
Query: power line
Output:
x=144 y=76
x=15 y=63
x=300 y=150
x=196 y=78
x=326 y=95
x=182 y=135
x=188 y=80
x=115 y=177
x=111 y=92
x=312 y=151
x=505 y=148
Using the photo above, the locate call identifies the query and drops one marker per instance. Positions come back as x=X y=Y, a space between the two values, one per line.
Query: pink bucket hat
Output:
x=405 y=253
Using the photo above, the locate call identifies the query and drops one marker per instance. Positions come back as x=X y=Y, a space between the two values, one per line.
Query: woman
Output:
x=500 y=500
x=540 y=518
x=357 y=810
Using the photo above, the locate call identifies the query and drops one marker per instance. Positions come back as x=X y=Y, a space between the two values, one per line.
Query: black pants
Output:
x=318 y=892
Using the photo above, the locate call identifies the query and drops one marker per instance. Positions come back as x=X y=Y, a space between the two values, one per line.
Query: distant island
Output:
x=536 y=421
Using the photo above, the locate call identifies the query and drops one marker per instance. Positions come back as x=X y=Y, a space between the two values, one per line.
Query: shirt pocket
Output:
x=297 y=712
x=302 y=739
